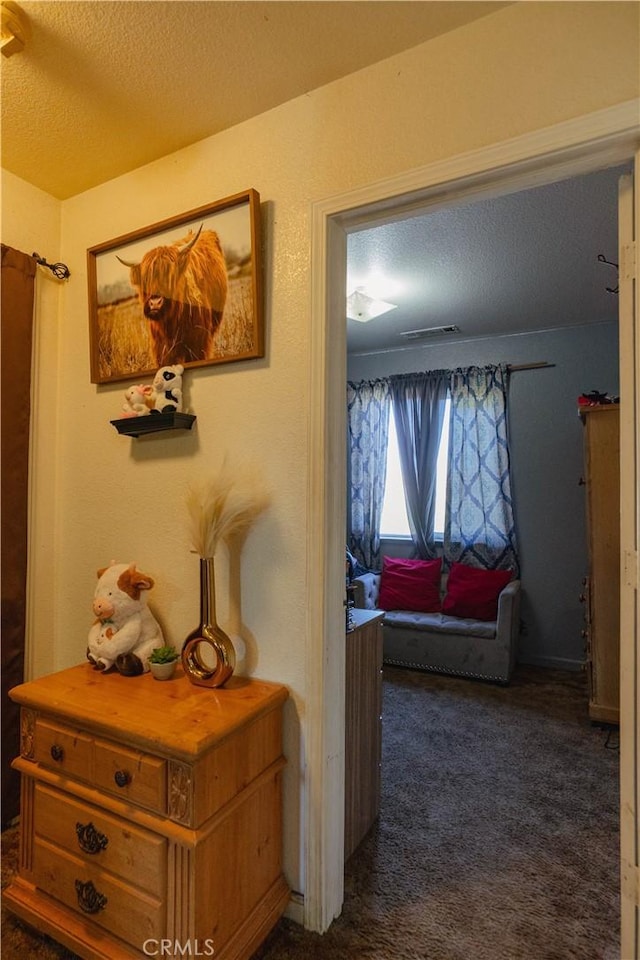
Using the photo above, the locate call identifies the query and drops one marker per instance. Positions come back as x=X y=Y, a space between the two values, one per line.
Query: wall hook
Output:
x=603 y=259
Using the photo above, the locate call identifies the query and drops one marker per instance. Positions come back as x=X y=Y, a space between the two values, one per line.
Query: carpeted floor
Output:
x=497 y=840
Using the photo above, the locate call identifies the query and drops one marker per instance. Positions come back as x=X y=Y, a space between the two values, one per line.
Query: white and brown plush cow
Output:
x=166 y=392
x=125 y=631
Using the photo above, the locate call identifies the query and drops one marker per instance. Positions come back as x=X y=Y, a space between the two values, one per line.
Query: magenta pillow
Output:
x=473 y=593
x=410 y=585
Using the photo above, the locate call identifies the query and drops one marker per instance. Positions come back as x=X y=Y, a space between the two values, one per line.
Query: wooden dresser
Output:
x=363 y=726
x=150 y=810
x=602 y=584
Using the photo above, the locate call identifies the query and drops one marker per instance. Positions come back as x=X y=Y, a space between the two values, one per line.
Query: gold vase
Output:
x=208 y=632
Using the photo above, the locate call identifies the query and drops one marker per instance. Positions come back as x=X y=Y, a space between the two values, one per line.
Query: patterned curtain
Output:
x=418 y=408
x=368 y=404
x=479 y=525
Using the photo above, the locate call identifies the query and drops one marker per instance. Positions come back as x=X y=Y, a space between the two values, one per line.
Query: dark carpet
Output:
x=497 y=840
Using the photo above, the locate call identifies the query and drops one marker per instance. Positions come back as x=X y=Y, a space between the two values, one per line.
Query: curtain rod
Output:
x=513 y=367
x=59 y=270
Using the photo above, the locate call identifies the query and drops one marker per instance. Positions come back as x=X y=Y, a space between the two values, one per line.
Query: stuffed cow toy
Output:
x=125 y=631
x=166 y=395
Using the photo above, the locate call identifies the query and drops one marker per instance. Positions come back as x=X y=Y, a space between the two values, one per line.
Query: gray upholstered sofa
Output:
x=484 y=649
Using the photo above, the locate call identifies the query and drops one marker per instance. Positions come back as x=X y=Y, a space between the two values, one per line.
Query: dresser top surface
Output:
x=169 y=716
x=362 y=617
x=596 y=408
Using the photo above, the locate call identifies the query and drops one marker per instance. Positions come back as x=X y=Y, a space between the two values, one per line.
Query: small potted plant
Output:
x=162 y=662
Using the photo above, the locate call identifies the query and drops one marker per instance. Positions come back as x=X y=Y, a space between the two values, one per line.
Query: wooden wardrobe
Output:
x=602 y=583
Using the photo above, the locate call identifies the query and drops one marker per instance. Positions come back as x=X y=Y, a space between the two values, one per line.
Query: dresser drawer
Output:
x=138 y=778
x=98 y=896
x=63 y=749
x=104 y=841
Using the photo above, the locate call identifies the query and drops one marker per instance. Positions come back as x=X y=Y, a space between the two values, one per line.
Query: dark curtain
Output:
x=18 y=272
x=418 y=408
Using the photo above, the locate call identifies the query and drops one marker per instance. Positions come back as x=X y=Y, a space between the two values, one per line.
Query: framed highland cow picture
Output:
x=186 y=290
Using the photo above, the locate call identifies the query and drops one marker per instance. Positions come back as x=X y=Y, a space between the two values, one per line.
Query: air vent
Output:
x=429 y=332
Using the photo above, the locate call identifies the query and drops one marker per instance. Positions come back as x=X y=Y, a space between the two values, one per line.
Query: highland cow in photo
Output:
x=182 y=288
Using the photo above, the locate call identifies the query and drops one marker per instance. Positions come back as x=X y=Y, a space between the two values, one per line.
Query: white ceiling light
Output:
x=362 y=308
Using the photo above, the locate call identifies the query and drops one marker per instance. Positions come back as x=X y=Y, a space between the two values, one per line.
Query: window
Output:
x=394 y=512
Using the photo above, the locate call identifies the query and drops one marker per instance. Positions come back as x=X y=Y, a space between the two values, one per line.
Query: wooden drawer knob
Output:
x=57 y=753
x=122 y=778
x=89 y=900
x=89 y=839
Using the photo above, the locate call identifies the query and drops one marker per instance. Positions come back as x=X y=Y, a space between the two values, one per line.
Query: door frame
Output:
x=594 y=141
x=629 y=314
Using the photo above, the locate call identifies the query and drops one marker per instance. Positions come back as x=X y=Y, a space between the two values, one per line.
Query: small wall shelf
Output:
x=153 y=423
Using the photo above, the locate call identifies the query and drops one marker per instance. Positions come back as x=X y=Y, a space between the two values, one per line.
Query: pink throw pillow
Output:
x=473 y=593
x=410 y=585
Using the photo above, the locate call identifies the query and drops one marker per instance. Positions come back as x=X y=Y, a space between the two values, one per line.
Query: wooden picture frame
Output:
x=172 y=293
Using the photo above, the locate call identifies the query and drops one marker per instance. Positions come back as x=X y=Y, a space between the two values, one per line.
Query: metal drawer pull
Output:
x=89 y=900
x=57 y=753
x=122 y=778
x=89 y=839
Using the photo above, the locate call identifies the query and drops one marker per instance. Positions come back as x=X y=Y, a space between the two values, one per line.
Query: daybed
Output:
x=438 y=641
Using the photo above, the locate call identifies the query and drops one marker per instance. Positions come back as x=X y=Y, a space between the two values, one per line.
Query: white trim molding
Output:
x=629 y=322
x=295 y=908
x=601 y=139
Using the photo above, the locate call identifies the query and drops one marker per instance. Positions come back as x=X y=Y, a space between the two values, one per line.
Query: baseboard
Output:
x=295 y=908
x=553 y=663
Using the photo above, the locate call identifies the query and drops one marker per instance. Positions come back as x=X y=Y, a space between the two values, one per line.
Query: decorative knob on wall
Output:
x=16 y=29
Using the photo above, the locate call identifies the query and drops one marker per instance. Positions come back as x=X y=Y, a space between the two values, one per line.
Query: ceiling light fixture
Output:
x=362 y=308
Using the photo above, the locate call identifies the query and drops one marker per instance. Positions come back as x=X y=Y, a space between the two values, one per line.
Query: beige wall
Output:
x=528 y=66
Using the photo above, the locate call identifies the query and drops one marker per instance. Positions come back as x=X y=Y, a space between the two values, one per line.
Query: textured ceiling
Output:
x=523 y=262
x=104 y=86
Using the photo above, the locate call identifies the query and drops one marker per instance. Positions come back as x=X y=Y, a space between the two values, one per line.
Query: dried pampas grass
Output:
x=223 y=506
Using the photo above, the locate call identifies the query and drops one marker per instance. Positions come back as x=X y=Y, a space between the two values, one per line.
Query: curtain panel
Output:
x=18 y=272
x=479 y=525
x=418 y=409
x=368 y=404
